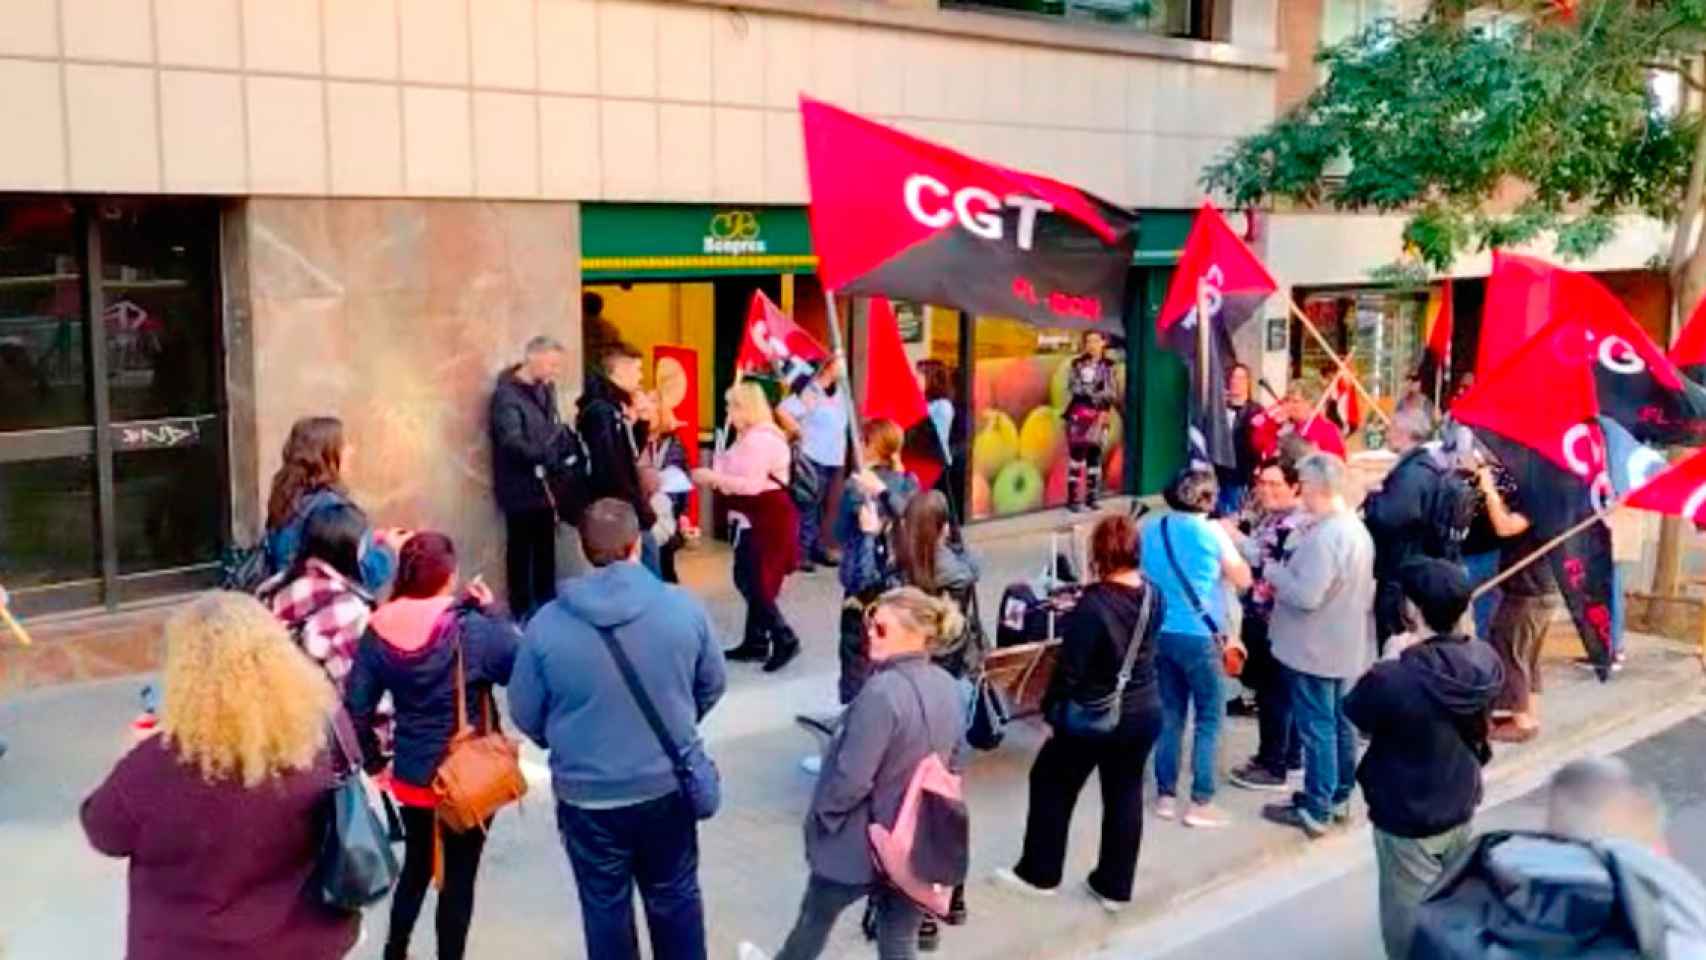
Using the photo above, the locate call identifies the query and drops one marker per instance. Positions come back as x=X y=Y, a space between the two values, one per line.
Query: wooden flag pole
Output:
x=1545 y=548
x=1344 y=368
x=838 y=348
x=13 y=625
x=1203 y=366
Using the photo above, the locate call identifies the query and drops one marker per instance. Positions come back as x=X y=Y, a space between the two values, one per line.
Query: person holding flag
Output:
x=1093 y=389
x=818 y=414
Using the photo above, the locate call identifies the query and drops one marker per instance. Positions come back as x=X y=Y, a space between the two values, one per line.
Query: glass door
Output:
x=112 y=456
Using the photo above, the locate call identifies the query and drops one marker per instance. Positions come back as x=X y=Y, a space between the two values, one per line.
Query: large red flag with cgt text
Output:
x=892 y=392
x=1218 y=273
x=896 y=216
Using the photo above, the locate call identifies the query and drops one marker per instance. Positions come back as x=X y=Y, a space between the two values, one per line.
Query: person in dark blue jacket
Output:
x=874 y=500
x=311 y=476
x=410 y=651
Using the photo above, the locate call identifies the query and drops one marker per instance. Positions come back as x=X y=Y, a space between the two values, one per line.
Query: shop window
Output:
x=1186 y=19
x=1019 y=393
x=1379 y=332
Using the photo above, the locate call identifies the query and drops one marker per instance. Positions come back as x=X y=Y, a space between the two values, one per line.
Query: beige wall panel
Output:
x=365 y=124
x=202 y=131
x=435 y=40
x=506 y=145
x=737 y=140
x=503 y=39
x=569 y=147
x=361 y=38
x=628 y=139
x=281 y=36
x=627 y=48
x=737 y=36
x=787 y=61
x=198 y=33
x=30 y=113
x=835 y=64
x=568 y=46
x=784 y=158
x=882 y=72
x=115 y=141
x=287 y=135
x=437 y=153
x=32 y=28
x=108 y=30
x=684 y=53
x=684 y=151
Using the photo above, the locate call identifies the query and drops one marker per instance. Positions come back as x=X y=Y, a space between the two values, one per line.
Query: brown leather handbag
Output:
x=481 y=772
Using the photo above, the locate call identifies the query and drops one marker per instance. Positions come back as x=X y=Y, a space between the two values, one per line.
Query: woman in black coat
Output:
x=1116 y=611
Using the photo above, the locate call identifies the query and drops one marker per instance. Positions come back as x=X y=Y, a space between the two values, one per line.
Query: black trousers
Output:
x=1278 y=748
x=455 y=900
x=764 y=623
x=1057 y=777
x=530 y=560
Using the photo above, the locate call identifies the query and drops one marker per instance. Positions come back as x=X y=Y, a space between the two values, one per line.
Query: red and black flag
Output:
x=1689 y=350
x=774 y=344
x=1555 y=452
x=1679 y=491
x=893 y=215
x=892 y=392
x=1435 y=368
x=1518 y=304
x=1219 y=275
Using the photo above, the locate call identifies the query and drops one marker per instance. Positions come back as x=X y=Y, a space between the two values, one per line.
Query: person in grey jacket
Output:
x=620 y=810
x=1322 y=629
x=908 y=709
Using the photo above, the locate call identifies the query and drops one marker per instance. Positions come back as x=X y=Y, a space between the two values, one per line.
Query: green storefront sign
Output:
x=660 y=241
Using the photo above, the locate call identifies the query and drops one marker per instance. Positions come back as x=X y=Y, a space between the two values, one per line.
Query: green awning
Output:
x=642 y=241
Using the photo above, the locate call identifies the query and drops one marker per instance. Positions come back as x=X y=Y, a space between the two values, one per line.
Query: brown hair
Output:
x=609 y=529
x=615 y=353
x=938 y=382
x=921 y=527
x=1113 y=545
x=313 y=458
x=884 y=438
x=424 y=565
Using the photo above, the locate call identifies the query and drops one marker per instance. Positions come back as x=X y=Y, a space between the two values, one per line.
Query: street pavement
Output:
x=61 y=900
x=1340 y=918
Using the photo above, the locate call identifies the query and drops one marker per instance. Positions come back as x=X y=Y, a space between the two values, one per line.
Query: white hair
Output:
x=1323 y=470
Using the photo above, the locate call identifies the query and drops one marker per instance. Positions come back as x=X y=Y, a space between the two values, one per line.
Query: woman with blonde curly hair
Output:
x=218 y=813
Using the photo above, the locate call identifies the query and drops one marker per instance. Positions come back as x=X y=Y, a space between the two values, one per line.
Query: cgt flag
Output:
x=1219 y=274
x=893 y=215
x=892 y=392
x=1556 y=453
x=1679 y=491
x=1435 y=368
x=774 y=343
x=1689 y=350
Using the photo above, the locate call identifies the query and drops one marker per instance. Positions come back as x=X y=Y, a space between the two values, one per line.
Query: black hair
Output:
x=333 y=535
x=1286 y=467
x=592 y=305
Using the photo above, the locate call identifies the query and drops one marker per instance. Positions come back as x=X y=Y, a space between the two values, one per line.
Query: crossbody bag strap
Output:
x=644 y=702
x=1145 y=610
x=1190 y=591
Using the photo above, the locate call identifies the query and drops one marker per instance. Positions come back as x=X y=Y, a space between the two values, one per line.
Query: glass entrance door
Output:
x=112 y=455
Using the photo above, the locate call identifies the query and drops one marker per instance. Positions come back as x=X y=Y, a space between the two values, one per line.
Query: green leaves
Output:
x=1488 y=133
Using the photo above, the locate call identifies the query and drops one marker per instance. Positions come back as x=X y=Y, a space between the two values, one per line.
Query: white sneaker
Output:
x=1167 y=808
x=749 y=952
x=1109 y=906
x=812 y=763
x=1007 y=878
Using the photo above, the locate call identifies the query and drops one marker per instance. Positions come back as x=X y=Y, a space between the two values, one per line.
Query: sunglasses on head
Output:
x=875 y=627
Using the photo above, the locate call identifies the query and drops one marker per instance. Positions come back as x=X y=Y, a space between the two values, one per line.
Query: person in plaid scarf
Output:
x=320 y=599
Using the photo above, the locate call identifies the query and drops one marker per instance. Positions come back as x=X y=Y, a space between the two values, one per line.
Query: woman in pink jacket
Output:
x=753 y=475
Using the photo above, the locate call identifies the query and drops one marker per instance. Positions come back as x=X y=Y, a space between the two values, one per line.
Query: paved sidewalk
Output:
x=61 y=900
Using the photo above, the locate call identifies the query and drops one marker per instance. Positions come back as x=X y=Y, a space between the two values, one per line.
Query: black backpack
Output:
x=805 y=484
x=569 y=484
x=1448 y=510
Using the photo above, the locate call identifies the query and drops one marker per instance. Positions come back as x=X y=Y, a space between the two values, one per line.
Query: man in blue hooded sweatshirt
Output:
x=620 y=810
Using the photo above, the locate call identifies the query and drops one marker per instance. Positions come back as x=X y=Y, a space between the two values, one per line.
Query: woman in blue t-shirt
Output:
x=1190 y=558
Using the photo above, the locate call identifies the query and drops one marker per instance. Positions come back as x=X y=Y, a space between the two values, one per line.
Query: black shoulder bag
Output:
x=1099 y=718
x=701 y=784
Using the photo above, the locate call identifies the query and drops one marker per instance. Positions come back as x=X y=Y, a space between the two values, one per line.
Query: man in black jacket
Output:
x=528 y=444
x=1405 y=516
x=1426 y=716
x=612 y=425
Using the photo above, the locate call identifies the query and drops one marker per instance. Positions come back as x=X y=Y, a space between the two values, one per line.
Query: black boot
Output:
x=957 y=907
x=1072 y=487
x=929 y=936
x=1092 y=487
x=754 y=647
x=782 y=651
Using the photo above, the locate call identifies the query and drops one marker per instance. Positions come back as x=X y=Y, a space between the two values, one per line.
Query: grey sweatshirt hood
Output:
x=611 y=596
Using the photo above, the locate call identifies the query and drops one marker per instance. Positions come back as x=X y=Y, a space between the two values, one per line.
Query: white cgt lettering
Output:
x=930 y=202
x=1582 y=463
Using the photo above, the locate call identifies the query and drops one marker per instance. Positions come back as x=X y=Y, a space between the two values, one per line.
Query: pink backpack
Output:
x=927 y=851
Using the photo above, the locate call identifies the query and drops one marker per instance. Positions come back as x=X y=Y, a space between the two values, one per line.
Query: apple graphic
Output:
x=980 y=496
x=984 y=375
x=1054 y=491
x=1113 y=470
x=996 y=443
x=1021 y=385
x=1041 y=437
x=1017 y=488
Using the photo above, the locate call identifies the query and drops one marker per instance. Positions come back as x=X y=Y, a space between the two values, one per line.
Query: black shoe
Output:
x=957 y=908
x=1240 y=707
x=929 y=936
x=805 y=566
x=782 y=654
x=868 y=924
x=1254 y=776
x=1287 y=815
x=748 y=652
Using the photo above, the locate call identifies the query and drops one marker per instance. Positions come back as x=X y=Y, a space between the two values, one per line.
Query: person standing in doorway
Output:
x=621 y=814
x=1092 y=391
x=611 y=417
x=1241 y=410
x=529 y=444
x=818 y=414
x=1323 y=634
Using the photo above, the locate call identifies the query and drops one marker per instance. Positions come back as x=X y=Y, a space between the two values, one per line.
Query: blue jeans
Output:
x=650 y=558
x=811 y=515
x=1483 y=567
x=1329 y=742
x=1187 y=670
x=654 y=844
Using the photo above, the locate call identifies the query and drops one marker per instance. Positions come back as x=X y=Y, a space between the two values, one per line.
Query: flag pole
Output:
x=838 y=347
x=1203 y=366
x=1545 y=548
x=13 y=625
x=1344 y=368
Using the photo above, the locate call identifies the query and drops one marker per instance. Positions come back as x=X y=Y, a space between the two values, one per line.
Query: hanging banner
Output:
x=896 y=216
x=675 y=370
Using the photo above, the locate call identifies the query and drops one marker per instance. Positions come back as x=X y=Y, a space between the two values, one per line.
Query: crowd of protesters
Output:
x=1260 y=570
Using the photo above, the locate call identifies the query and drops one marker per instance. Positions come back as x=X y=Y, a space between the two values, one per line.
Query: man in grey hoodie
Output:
x=1322 y=629
x=620 y=809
